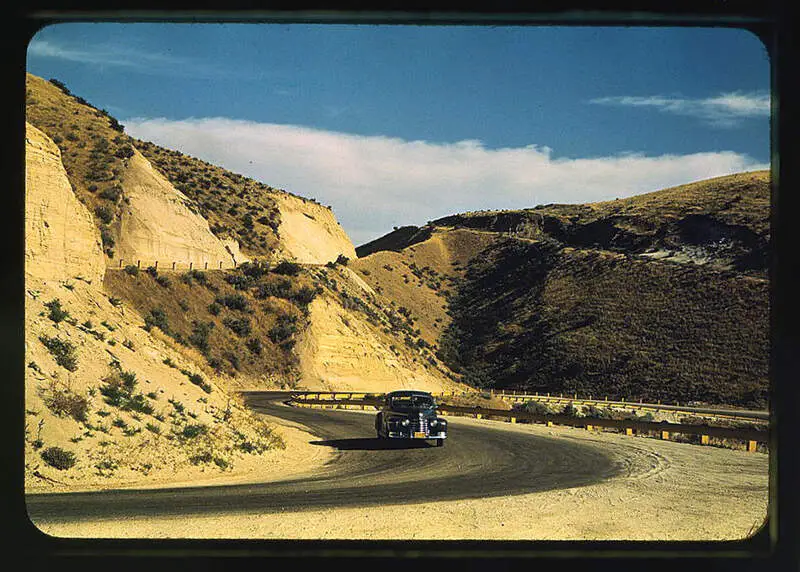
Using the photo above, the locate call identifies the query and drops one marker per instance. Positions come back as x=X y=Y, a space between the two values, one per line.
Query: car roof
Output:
x=407 y=392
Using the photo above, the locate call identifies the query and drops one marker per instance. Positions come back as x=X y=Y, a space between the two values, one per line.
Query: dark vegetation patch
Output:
x=534 y=316
x=225 y=314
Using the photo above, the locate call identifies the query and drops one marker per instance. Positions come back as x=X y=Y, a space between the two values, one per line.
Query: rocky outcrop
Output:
x=341 y=351
x=157 y=223
x=309 y=232
x=61 y=240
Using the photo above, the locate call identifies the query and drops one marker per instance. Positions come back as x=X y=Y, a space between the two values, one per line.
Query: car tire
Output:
x=440 y=442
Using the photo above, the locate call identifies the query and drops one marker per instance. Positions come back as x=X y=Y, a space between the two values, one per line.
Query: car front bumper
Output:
x=413 y=435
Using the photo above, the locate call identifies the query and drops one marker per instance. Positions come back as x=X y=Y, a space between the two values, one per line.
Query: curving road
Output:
x=476 y=461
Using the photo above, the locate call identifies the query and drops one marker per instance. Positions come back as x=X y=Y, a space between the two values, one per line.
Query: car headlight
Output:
x=405 y=422
x=434 y=422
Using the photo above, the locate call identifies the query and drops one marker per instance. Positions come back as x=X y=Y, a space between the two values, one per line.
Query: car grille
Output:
x=419 y=425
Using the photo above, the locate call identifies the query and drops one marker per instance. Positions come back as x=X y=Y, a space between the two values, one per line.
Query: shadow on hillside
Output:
x=372 y=444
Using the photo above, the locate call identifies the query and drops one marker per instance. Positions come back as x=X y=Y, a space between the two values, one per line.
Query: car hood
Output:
x=414 y=413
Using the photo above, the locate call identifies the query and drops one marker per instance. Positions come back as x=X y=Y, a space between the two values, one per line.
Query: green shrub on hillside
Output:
x=62 y=350
x=240 y=326
x=57 y=313
x=288 y=268
x=59 y=458
x=157 y=317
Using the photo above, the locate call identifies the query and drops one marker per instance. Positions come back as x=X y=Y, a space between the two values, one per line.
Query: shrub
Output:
x=58 y=458
x=254 y=269
x=57 y=313
x=65 y=402
x=114 y=124
x=280 y=289
x=132 y=269
x=163 y=281
x=254 y=345
x=199 y=335
x=595 y=412
x=283 y=329
x=342 y=259
x=233 y=301
x=124 y=152
x=287 y=268
x=241 y=326
x=195 y=276
x=107 y=238
x=214 y=308
x=304 y=296
x=537 y=408
x=111 y=194
x=158 y=318
x=60 y=85
x=118 y=392
x=152 y=271
x=63 y=351
x=193 y=430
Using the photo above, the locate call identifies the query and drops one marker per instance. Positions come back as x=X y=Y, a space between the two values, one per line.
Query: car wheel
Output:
x=440 y=442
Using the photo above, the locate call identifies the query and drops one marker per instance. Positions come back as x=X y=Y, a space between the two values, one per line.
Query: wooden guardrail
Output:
x=344 y=400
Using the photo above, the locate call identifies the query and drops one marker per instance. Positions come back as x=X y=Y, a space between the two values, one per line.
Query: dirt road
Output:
x=491 y=481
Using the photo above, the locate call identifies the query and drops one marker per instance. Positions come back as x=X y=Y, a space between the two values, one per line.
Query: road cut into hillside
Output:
x=492 y=480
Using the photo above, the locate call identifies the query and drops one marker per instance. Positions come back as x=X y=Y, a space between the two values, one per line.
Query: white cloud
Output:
x=374 y=183
x=724 y=110
x=123 y=56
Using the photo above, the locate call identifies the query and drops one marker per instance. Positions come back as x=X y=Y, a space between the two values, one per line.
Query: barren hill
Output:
x=659 y=296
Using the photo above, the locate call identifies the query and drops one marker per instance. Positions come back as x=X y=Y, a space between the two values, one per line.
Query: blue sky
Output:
x=395 y=125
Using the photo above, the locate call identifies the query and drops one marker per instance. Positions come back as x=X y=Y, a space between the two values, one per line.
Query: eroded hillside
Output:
x=659 y=296
x=105 y=401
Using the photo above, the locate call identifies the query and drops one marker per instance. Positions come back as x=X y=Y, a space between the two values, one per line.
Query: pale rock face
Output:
x=61 y=240
x=309 y=233
x=340 y=351
x=157 y=225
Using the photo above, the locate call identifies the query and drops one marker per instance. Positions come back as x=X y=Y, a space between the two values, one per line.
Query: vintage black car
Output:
x=409 y=414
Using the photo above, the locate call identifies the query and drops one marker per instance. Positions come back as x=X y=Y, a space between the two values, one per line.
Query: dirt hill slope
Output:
x=659 y=296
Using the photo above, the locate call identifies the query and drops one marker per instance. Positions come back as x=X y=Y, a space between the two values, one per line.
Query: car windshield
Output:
x=412 y=402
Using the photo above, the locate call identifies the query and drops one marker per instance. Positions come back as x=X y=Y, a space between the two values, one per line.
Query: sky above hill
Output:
x=398 y=125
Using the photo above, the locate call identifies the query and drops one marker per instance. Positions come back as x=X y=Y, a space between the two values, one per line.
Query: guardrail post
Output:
x=628 y=431
x=548 y=423
x=206 y=266
x=478 y=416
x=191 y=264
x=120 y=262
x=665 y=434
x=173 y=265
x=138 y=264
x=513 y=419
x=704 y=439
x=156 y=265
x=751 y=446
